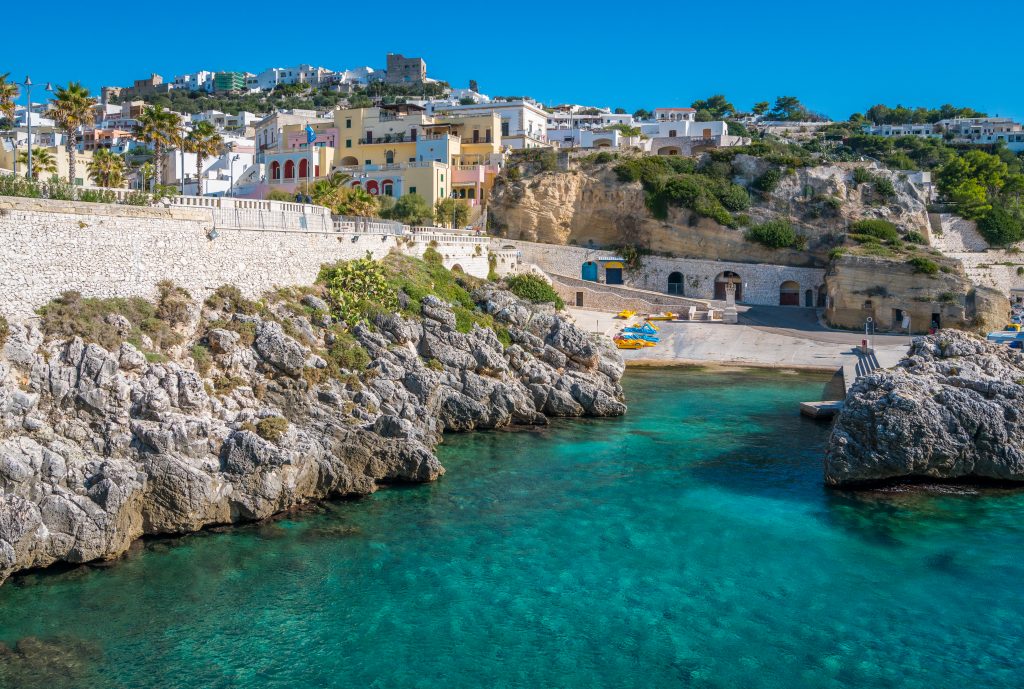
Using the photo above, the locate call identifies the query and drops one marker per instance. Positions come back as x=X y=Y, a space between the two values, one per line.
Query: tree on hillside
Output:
x=790 y=109
x=8 y=94
x=445 y=209
x=900 y=114
x=642 y=114
x=159 y=128
x=204 y=141
x=106 y=168
x=42 y=161
x=70 y=110
x=714 y=108
x=760 y=107
x=973 y=182
x=619 y=111
x=412 y=209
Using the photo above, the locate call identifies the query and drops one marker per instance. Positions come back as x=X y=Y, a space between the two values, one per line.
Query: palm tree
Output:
x=107 y=168
x=160 y=128
x=42 y=161
x=204 y=141
x=8 y=94
x=71 y=109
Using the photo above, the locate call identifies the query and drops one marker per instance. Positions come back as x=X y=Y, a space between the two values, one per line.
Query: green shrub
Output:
x=1000 y=226
x=775 y=234
x=862 y=175
x=201 y=357
x=883 y=186
x=272 y=428
x=5 y=330
x=914 y=237
x=346 y=353
x=875 y=227
x=97 y=196
x=533 y=288
x=734 y=197
x=357 y=288
x=924 y=265
x=835 y=253
x=139 y=198
x=768 y=182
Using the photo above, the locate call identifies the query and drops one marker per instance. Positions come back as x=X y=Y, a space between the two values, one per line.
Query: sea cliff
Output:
x=950 y=410
x=249 y=414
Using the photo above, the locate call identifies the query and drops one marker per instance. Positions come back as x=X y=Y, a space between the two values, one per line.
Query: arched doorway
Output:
x=389 y=157
x=289 y=169
x=675 y=283
x=725 y=277
x=613 y=273
x=589 y=271
x=303 y=168
x=387 y=187
x=458 y=268
x=349 y=161
x=809 y=298
x=372 y=187
x=669 y=151
x=822 y=297
x=789 y=293
x=275 y=171
x=602 y=143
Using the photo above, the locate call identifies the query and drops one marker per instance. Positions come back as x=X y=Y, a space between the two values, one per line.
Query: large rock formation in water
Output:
x=952 y=409
x=98 y=447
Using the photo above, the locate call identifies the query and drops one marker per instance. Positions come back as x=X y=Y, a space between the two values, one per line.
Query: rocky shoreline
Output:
x=101 y=446
x=949 y=412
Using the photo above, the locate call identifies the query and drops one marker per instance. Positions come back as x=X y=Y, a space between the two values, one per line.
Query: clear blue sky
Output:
x=837 y=58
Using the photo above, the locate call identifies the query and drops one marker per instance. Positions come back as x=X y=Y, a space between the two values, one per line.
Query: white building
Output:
x=196 y=81
x=675 y=114
x=299 y=74
x=574 y=137
x=973 y=130
x=224 y=121
x=523 y=122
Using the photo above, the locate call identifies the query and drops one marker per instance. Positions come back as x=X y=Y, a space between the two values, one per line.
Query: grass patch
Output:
x=96 y=320
x=272 y=428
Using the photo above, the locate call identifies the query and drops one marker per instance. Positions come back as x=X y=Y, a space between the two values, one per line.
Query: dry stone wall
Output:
x=761 y=281
x=102 y=250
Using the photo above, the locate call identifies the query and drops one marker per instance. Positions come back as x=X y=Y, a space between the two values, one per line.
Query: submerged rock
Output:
x=98 y=448
x=951 y=409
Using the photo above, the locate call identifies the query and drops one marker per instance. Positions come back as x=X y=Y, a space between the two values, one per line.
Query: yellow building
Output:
x=60 y=157
x=397 y=150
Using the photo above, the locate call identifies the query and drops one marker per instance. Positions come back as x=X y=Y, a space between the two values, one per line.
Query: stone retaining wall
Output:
x=761 y=281
x=103 y=250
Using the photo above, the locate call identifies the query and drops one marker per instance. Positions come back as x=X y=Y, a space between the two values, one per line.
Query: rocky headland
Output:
x=951 y=410
x=250 y=409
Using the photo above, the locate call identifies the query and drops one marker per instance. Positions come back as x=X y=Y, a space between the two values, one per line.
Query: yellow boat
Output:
x=631 y=344
x=626 y=314
x=667 y=316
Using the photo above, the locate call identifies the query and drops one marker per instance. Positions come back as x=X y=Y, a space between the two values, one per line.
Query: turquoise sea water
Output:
x=688 y=544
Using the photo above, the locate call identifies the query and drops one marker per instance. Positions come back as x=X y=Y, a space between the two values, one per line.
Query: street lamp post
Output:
x=28 y=116
x=231 y=166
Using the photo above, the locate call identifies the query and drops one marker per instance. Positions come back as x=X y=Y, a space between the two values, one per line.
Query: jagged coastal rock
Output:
x=951 y=409
x=99 y=447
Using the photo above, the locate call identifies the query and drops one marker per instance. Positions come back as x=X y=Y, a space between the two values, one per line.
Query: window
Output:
x=348 y=143
x=412 y=190
x=348 y=123
x=369 y=162
x=504 y=128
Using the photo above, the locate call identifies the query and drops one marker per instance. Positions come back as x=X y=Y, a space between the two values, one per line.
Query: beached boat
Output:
x=667 y=316
x=626 y=313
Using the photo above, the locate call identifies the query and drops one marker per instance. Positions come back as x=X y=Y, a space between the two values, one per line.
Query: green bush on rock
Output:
x=533 y=288
x=776 y=234
x=875 y=227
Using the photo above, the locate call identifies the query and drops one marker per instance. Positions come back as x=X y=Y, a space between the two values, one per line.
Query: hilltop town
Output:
x=906 y=218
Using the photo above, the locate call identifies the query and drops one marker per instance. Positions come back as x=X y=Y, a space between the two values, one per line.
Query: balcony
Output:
x=387 y=139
